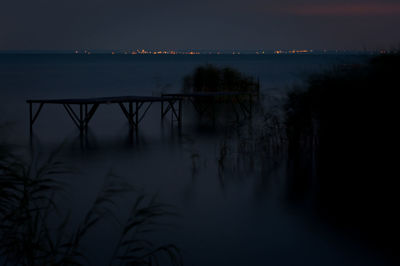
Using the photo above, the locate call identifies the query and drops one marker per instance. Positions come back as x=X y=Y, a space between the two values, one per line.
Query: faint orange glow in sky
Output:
x=362 y=9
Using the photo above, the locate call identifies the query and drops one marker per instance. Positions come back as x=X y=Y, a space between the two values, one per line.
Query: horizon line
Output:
x=191 y=51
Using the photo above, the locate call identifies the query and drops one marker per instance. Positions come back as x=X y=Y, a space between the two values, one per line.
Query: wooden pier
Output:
x=81 y=111
x=243 y=99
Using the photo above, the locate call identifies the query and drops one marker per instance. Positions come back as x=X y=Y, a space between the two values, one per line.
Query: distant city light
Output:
x=130 y=52
x=292 y=51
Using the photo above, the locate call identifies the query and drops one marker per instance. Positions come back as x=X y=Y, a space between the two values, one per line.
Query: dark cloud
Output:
x=236 y=24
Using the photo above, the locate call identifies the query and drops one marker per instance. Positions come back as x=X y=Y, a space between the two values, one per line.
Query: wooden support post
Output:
x=174 y=112
x=33 y=115
x=90 y=114
x=73 y=115
x=86 y=118
x=30 y=119
x=145 y=111
x=172 y=104
x=131 y=116
x=81 y=124
x=162 y=109
x=180 y=112
x=137 y=116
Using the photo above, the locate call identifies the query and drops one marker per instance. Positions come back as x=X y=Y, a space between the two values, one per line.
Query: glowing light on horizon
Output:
x=293 y=51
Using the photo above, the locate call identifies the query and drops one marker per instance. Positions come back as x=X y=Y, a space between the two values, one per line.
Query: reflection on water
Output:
x=238 y=197
x=229 y=183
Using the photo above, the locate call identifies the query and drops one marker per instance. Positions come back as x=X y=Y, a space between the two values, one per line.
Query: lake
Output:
x=235 y=204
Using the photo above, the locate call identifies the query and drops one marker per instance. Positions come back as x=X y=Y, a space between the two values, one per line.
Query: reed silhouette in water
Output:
x=342 y=132
x=29 y=235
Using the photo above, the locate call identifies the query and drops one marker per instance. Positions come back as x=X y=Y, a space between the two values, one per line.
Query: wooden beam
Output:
x=71 y=114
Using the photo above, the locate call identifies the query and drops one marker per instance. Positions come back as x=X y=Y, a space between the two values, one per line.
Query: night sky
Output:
x=194 y=24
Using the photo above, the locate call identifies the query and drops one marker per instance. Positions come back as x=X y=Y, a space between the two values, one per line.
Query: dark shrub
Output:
x=346 y=120
x=210 y=78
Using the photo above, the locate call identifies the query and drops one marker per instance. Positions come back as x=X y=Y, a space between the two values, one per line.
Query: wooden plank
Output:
x=206 y=94
x=100 y=100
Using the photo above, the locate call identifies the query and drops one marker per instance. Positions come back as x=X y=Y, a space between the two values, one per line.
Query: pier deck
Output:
x=87 y=107
x=82 y=110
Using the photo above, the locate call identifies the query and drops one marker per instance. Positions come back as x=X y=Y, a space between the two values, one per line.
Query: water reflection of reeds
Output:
x=254 y=147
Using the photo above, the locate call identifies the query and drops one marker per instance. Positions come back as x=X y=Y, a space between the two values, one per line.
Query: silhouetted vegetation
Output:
x=210 y=78
x=29 y=235
x=342 y=133
x=256 y=147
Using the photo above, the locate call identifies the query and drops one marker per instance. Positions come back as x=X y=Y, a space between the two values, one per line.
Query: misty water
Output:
x=240 y=213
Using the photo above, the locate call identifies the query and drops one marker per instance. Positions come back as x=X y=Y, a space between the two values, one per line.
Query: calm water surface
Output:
x=242 y=214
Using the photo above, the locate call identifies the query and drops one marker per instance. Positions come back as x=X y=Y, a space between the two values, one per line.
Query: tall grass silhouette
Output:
x=28 y=237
